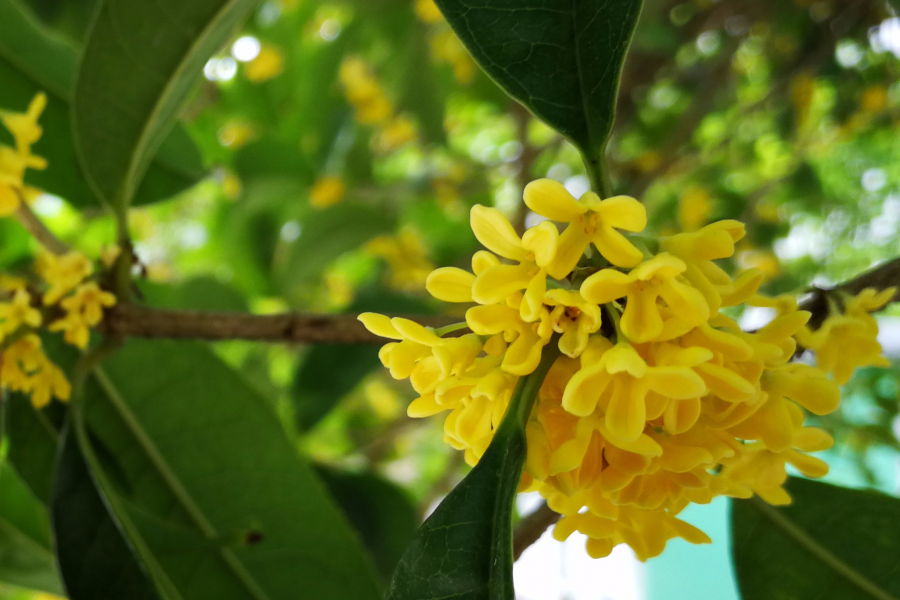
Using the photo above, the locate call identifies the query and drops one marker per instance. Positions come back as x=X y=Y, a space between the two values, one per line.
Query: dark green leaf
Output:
x=562 y=60
x=464 y=549
x=26 y=552
x=831 y=543
x=203 y=479
x=139 y=63
x=382 y=514
x=32 y=60
x=331 y=371
x=94 y=558
x=32 y=438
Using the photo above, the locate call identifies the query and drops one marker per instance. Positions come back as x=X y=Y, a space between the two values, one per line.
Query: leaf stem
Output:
x=598 y=175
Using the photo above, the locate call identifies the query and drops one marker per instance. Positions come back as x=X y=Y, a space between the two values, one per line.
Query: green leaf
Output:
x=562 y=60
x=203 y=479
x=32 y=438
x=382 y=514
x=199 y=293
x=94 y=558
x=331 y=371
x=830 y=543
x=329 y=233
x=33 y=60
x=26 y=552
x=464 y=549
x=139 y=63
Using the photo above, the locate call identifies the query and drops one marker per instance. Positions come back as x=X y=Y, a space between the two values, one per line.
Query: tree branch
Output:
x=128 y=320
x=38 y=230
x=531 y=528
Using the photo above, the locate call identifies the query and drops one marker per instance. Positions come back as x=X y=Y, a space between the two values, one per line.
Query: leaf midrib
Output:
x=814 y=547
x=129 y=184
x=175 y=486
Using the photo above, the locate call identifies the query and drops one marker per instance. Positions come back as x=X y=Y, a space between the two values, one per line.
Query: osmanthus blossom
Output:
x=62 y=285
x=657 y=399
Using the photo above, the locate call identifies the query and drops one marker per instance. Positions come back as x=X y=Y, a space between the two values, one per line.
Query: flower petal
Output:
x=584 y=390
x=450 y=284
x=641 y=321
x=380 y=325
x=626 y=414
x=686 y=302
x=605 y=286
x=569 y=249
x=495 y=233
x=615 y=247
x=541 y=241
x=623 y=212
x=495 y=284
x=552 y=200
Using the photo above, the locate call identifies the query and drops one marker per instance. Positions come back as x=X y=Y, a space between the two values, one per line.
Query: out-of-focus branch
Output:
x=880 y=278
x=38 y=230
x=531 y=528
x=136 y=321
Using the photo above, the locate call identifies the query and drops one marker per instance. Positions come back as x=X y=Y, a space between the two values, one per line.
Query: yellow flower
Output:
x=590 y=220
x=694 y=208
x=84 y=309
x=24 y=126
x=659 y=277
x=534 y=253
x=396 y=134
x=573 y=317
x=268 y=63
x=364 y=93
x=63 y=273
x=428 y=12
x=527 y=339
x=18 y=312
x=617 y=379
x=406 y=256
x=327 y=191
x=25 y=368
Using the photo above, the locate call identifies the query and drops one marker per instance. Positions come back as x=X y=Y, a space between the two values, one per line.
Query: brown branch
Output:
x=880 y=278
x=38 y=230
x=128 y=320
x=531 y=528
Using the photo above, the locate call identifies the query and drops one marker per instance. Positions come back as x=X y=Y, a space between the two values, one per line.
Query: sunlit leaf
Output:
x=33 y=60
x=830 y=543
x=26 y=551
x=139 y=63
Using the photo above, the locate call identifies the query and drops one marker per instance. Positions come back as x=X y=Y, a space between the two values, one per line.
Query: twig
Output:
x=38 y=230
x=136 y=321
x=880 y=278
x=531 y=528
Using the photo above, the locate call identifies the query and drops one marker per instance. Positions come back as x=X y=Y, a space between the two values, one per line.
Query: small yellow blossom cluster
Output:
x=373 y=107
x=327 y=191
x=71 y=303
x=658 y=399
x=406 y=257
x=14 y=161
x=269 y=63
x=445 y=46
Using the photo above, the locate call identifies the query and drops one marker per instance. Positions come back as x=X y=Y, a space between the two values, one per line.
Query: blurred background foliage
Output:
x=314 y=197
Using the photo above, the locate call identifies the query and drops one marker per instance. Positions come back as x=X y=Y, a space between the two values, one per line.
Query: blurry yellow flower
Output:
x=428 y=12
x=62 y=273
x=406 y=256
x=590 y=220
x=24 y=368
x=396 y=134
x=268 y=63
x=763 y=261
x=327 y=191
x=18 y=312
x=365 y=93
x=874 y=99
x=25 y=129
x=84 y=309
x=446 y=47
x=694 y=208
x=659 y=277
x=235 y=134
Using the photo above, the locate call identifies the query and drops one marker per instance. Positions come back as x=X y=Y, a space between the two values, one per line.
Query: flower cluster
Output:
x=658 y=399
x=70 y=303
x=406 y=257
x=15 y=161
x=373 y=106
x=445 y=46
